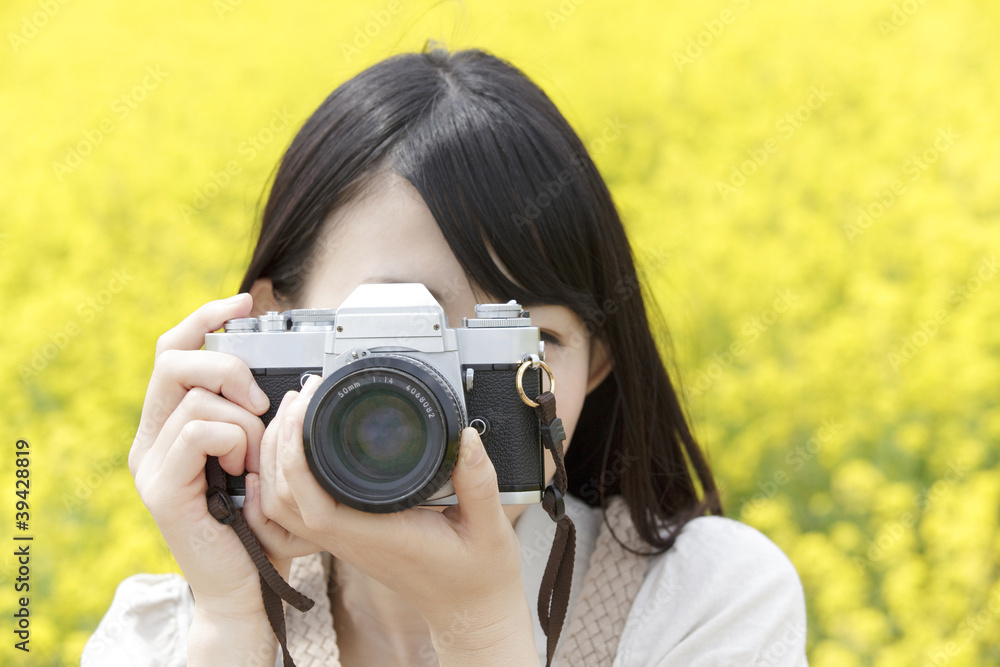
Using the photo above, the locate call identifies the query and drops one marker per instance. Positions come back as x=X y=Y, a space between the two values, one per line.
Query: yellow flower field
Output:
x=812 y=190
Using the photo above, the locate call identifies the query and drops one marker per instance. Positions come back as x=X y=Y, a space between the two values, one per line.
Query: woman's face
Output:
x=390 y=236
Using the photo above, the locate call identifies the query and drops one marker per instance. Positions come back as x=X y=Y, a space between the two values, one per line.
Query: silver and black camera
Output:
x=381 y=433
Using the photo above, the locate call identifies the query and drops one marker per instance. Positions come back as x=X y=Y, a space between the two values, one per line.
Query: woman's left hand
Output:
x=461 y=568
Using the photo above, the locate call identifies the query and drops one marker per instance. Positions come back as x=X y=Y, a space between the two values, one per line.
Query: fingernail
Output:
x=472 y=448
x=250 y=484
x=237 y=298
x=312 y=382
x=258 y=399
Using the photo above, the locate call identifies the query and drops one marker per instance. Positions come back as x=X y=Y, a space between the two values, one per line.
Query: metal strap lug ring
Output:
x=520 y=379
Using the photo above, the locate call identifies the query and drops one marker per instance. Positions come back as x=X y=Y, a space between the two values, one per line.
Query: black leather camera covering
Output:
x=513 y=441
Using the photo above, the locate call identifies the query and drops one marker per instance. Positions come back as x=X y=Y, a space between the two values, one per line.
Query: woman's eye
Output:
x=549 y=337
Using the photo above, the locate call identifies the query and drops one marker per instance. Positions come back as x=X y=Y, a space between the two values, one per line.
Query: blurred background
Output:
x=811 y=190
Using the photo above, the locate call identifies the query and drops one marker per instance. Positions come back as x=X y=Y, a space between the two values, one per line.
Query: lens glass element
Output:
x=381 y=436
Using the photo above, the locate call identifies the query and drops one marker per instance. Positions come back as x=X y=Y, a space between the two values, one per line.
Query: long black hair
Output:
x=499 y=167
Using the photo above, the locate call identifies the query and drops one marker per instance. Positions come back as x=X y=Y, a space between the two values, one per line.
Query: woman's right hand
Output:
x=201 y=404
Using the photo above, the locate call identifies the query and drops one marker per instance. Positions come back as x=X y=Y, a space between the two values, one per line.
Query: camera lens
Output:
x=381 y=434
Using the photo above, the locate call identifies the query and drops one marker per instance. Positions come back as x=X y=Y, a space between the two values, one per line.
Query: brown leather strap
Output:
x=273 y=588
x=553 y=595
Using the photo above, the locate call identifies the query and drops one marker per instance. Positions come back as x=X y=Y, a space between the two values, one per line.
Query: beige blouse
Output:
x=723 y=595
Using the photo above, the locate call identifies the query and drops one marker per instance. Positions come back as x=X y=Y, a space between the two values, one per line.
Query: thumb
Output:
x=475 y=482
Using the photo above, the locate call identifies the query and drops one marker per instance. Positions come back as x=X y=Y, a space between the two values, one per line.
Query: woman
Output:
x=455 y=171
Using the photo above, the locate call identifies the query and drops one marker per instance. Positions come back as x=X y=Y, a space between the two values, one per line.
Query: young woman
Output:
x=455 y=171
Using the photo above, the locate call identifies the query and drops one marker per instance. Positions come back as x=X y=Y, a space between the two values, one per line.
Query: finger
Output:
x=202 y=405
x=198 y=440
x=290 y=433
x=475 y=482
x=269 y=479
x=277 y=541
x=177 y=372
x=190 y=333
x=290 y=452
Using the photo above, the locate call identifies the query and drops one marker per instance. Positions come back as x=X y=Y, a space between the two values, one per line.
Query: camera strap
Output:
x=553 y=595
x=273 y=588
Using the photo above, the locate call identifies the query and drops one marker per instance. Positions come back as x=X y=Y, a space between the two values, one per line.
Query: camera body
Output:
x=381 y=432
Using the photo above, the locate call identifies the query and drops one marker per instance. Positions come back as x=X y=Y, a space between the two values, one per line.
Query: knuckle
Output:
x=153 y=499
x=283 y=494
x=192 y=432
x=162 y=344
x=269 y=506
x=290 y=461
x=133 y=460
x=196 y=401
x=147 y=429
x=314 y=522
x=140 y=485
x=166 y=358
x=256 y=429
x=236 y=368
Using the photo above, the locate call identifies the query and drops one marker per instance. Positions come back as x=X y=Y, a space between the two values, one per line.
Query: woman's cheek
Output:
x=569 y=366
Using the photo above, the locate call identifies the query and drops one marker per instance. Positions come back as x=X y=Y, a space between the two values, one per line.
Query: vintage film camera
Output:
x=381 y=433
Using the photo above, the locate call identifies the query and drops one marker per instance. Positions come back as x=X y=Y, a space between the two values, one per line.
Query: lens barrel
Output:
x=381 y=433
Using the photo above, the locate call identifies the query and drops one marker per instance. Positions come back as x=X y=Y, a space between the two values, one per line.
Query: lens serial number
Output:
x=427 y=405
